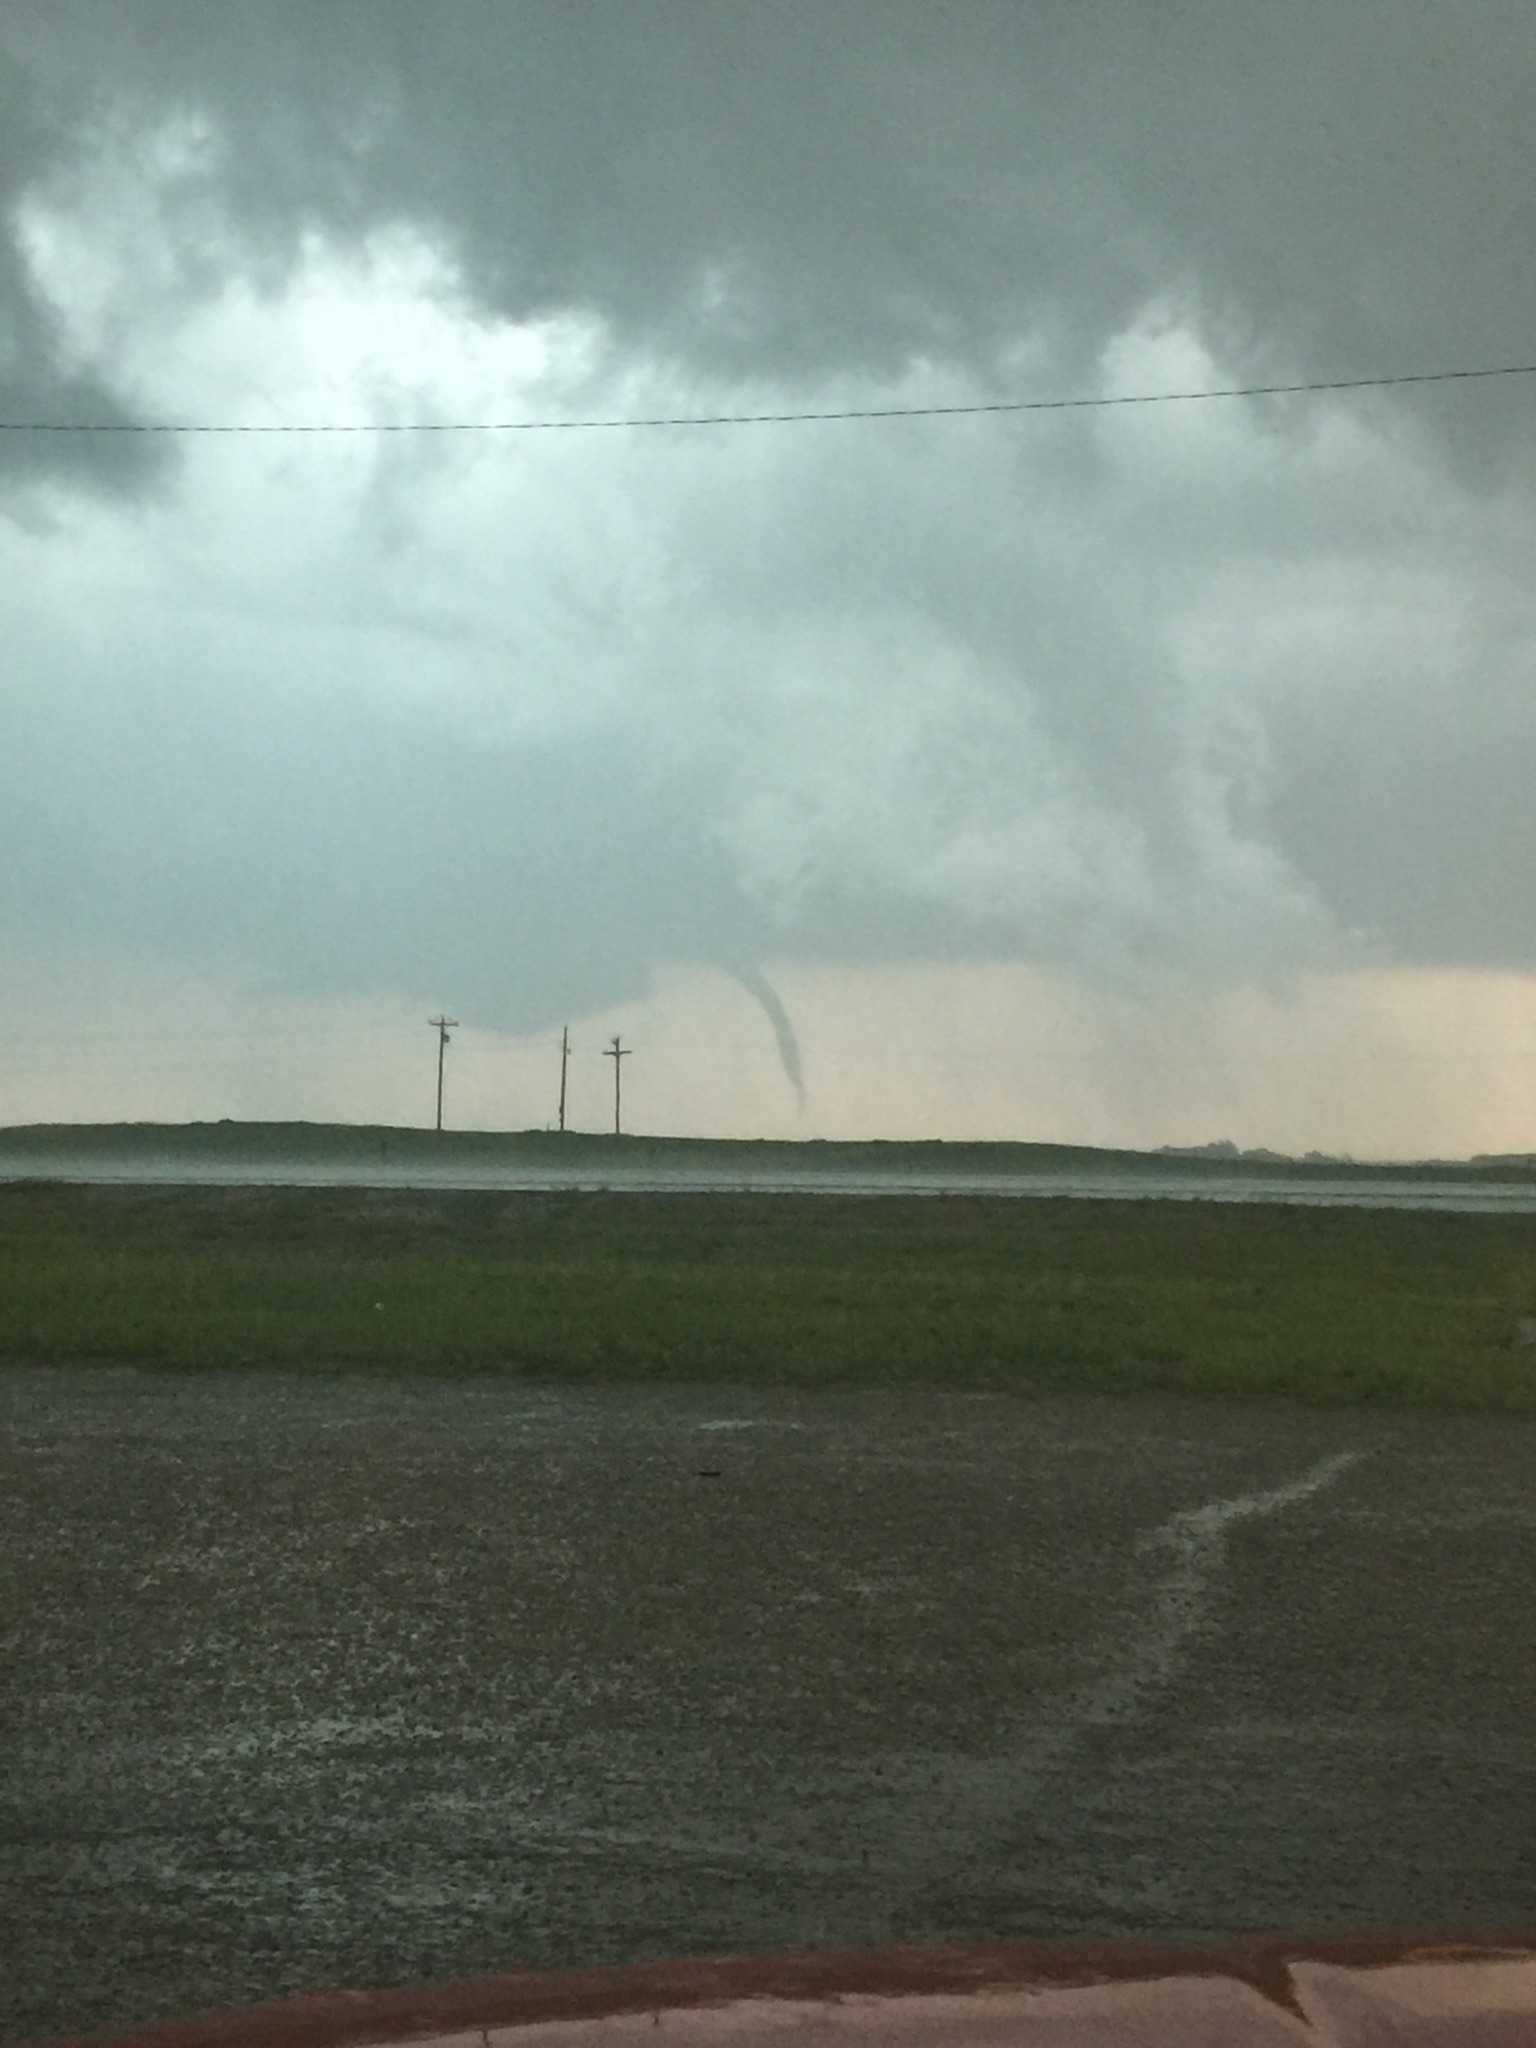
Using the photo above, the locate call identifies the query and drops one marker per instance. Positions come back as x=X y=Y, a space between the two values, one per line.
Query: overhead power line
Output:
x=761 y=419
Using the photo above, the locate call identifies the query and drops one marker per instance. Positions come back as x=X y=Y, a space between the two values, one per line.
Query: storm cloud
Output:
x=1232 y=691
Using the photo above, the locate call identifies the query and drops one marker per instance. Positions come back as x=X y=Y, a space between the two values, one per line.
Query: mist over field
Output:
x=1120 y=776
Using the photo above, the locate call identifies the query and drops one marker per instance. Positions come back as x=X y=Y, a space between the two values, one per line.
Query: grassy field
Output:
x=267 y=1149
x=1325 y=1307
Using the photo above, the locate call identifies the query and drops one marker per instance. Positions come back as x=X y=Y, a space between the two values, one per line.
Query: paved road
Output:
x=1405 y=1190
x=317 y=1681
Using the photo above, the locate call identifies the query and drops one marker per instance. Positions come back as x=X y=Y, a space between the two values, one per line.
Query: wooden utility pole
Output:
x=442 y=1026
x=616 y=1053
x=565 y=1054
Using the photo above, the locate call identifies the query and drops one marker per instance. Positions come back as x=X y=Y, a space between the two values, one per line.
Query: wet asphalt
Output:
x=315 y=1681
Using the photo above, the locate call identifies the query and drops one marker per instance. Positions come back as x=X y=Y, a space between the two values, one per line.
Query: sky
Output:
x=1126 y=775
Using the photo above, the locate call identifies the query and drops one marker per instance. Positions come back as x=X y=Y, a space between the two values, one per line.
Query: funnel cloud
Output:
x=758 y=985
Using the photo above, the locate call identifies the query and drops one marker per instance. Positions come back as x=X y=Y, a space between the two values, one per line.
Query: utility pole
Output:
x=616 y=1053
x=565 y=1054
x=442 y=1026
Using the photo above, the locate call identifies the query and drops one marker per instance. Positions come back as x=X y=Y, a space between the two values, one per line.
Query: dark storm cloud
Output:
x=805 y=198
x=37 y=382
x=782 y=189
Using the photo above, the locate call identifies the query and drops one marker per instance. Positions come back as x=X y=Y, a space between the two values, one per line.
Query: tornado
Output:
x=757 y=984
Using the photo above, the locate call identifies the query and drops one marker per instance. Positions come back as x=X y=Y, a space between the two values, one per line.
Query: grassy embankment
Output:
x=1330 y=1307
x=273 y=1149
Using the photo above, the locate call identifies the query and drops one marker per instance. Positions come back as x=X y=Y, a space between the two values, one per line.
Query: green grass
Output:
x=1325 y=1307
x=158 y=1148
